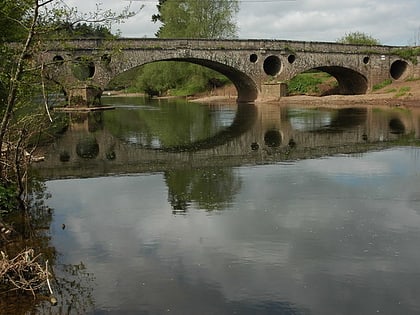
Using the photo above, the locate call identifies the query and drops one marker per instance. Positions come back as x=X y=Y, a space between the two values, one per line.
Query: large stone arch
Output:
x=246 y=87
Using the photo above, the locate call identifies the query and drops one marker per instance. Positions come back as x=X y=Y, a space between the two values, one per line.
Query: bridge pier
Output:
x=85 y=96
x=273 y=90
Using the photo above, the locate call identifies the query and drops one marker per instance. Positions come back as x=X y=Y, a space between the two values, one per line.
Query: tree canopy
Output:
x=358 y=38
x=196 y=19
x=83 y=30
x=13 y=16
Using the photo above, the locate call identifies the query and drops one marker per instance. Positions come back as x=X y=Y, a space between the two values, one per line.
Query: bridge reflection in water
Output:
x=288 y=241
x=97 y=144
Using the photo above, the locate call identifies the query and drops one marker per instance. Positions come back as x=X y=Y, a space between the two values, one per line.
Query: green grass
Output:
x=411 y=79
x=408 y=53
x=382 y=84
x=307 y=82
x=403 y=91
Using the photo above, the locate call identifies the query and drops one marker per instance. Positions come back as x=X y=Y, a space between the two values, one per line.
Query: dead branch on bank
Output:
x=24 y=272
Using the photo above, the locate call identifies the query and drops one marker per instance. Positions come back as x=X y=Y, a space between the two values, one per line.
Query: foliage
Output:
x=13 y=17
x=358 y=38
x=63 y=22
x=177 y=78
x=124 y=81
x=7 y=198
x=83 y=30
x=408 y=53
x=307 y=82
x=197 y=19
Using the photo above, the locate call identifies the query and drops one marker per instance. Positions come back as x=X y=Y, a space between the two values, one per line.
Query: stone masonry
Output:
x=258 y=68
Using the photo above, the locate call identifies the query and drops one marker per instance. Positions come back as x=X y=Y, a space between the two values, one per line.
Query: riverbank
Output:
x=399 y=93
x=404 y=93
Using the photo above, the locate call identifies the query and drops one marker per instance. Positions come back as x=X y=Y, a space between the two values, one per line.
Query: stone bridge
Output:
x=257 y=68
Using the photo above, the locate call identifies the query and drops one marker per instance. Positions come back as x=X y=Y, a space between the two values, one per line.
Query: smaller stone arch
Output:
x=398 y=69
x=350 y=82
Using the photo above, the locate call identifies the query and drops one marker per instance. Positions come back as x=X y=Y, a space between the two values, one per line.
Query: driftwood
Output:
x=25 y=272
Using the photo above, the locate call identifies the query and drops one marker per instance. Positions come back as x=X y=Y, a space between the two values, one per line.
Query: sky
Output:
x=391 y=22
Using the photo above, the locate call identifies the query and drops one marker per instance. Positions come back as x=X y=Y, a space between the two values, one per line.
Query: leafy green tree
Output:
x=358 y=38
x=83 y=30
x=197 y=19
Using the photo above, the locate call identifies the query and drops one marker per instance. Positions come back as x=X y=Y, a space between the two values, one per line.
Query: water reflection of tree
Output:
x=71 y=283
x=173 y=123
x=211 y=188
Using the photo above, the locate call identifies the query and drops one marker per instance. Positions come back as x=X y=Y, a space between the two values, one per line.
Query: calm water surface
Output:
x=321 y=217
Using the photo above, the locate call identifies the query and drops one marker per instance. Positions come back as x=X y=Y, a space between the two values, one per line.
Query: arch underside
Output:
x=245 y=85
x=350 y=82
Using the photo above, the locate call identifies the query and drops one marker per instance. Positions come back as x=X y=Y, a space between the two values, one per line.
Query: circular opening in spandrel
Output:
x=291 y=59
x=106 y=59
x=253 y=58
x=398 y=69
x=272 y=65
x=83 y=68
x=58 y=59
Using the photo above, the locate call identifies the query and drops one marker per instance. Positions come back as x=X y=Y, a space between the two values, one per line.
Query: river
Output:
x=169 y=207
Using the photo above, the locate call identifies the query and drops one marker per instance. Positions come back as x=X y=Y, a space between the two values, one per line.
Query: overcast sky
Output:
x=391 y=22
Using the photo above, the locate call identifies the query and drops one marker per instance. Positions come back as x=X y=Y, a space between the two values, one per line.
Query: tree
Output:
x=83 y=30
x=358 y=38
x=197 y=19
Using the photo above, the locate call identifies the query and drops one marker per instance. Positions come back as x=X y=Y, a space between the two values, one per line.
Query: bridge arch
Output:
x=398 y=69
x=350 y=82
x=246 y=87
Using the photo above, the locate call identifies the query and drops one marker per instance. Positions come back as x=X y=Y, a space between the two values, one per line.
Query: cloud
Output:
x=393 y=23
x=323 y=20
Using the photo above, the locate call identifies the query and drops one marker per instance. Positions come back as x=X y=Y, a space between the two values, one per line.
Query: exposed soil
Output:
x=399 y=93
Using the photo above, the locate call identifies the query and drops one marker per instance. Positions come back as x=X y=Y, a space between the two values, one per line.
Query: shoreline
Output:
x=390 y=95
